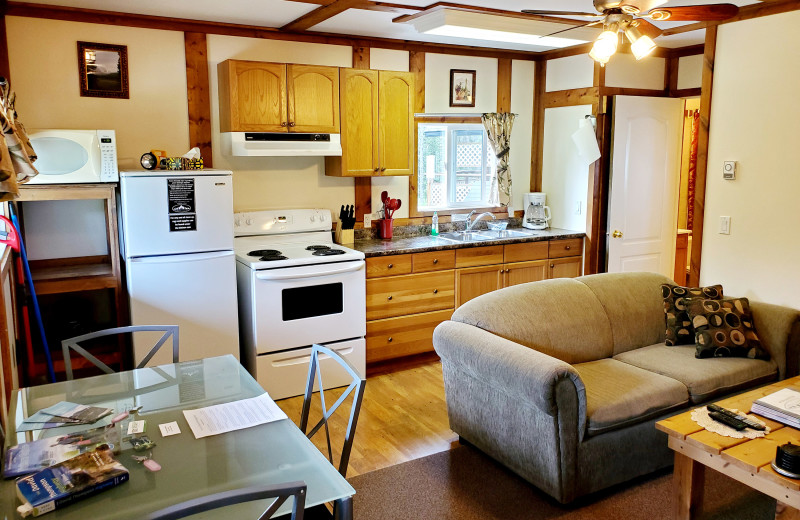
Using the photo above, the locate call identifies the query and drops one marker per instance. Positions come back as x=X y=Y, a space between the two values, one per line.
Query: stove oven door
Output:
x=299 y=306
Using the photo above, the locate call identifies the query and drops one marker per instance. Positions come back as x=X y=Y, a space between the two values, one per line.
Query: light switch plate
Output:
x=729 y=170
x=724 y=225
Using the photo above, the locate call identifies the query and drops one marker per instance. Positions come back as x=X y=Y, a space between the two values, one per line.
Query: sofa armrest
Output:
x=519 y=371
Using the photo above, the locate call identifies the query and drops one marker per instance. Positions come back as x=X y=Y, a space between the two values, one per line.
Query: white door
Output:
x=168 y=213
x=645 y=173
x=197 y=292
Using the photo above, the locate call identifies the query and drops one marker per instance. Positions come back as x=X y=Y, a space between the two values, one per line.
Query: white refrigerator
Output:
x=177 y=242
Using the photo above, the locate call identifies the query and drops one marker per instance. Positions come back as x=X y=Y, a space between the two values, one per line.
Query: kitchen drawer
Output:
x=410 y=294
x=388 y=265
x=525 y=251
x=475 y=256
x=434 y=261
x=568 y=247
x=403 y=336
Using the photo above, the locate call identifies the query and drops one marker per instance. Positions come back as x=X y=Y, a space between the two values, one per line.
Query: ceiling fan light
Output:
x=604 y=46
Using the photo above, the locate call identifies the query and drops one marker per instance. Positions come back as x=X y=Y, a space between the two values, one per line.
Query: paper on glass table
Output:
x=236 y=415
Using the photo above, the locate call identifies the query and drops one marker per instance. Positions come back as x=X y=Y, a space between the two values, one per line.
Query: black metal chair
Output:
x=356 y=386
x=169 y=331
x=280 y=493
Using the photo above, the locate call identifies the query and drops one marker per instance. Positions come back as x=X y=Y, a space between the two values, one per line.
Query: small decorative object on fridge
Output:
x=174 y=163
x=462 y=88
x=195 y=164
x=103 y=70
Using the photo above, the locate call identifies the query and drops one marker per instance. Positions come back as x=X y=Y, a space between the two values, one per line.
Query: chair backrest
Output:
x=168 y=331
x=356 y=387
x=280 y=493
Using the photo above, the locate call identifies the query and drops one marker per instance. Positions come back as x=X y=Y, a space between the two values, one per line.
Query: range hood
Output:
x=266 y=144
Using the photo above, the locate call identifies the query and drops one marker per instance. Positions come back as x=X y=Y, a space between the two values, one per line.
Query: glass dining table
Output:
x=272 y=453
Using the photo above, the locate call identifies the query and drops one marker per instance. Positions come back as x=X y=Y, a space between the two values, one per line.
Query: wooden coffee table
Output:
x=745 y=460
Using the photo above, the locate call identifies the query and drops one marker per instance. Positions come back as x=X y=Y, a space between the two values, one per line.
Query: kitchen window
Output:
x=456 y=167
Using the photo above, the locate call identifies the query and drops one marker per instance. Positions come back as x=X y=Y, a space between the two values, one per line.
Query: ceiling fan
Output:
x=630 y=17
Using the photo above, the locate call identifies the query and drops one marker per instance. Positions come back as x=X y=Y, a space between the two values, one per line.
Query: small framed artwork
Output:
x=462 y=88
x=103 y=70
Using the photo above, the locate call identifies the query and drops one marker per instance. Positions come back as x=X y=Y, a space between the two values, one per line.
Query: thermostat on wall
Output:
x=729 y=170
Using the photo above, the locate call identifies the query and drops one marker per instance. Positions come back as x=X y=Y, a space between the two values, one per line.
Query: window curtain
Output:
x=16 y=152
x=498 y=128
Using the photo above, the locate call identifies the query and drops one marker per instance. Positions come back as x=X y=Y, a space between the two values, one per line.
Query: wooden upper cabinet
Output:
x=275 y=97
x=396 y=122
x=358 y=101
x=313 y=98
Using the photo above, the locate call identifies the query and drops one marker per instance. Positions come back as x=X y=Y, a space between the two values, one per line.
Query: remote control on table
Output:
x=749 y=422
x=736 y=424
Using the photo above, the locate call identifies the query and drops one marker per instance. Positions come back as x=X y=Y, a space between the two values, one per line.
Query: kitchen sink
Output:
x=465 y=236
x=505 y=233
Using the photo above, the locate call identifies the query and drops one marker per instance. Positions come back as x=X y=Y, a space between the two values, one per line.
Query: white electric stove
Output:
x=296 y=288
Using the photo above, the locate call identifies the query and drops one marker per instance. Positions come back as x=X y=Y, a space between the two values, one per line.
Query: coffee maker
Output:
x=537 y=215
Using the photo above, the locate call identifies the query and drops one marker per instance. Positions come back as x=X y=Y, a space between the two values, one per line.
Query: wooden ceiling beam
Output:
x=322 y=13
x=745 y=13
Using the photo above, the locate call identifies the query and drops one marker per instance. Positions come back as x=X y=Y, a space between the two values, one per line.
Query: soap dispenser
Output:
x=435 y=225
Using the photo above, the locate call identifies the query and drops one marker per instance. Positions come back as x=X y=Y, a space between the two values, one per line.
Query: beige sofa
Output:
x=563 y=380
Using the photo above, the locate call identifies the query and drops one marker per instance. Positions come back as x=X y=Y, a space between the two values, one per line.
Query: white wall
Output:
x=570 y=72
x=522 y=75
x=565 y=177
x=437 y=83
x=755 y=120
x=690 y=71
x=623 y=70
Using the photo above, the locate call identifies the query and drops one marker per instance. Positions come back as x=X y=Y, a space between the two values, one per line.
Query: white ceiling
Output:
x=276 y=13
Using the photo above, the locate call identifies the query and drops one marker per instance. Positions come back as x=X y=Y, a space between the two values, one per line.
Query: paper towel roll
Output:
x=586 y=142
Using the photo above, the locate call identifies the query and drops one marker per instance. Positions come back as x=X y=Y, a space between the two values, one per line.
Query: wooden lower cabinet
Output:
x=474 y=281
x=524 y=272
x=392 y=338
x=565 y=267
x=409 y=294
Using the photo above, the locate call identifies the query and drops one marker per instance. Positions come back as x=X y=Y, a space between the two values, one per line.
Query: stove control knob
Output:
x=313 y=218
x=237 y=222
x=248 y=221
x=321 y=218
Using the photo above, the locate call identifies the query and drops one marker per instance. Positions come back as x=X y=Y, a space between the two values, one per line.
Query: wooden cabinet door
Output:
x=396 y=122
x=474 y=281
x=565 y=267
x=252 y=96
x=313 y=98
x=409 y=294
x=358 y=102
x=524 y=272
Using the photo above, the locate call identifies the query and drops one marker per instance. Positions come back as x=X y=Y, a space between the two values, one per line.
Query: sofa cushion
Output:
x=679 y=325
x=619 y=394
x=633 y=304
x=560 y=318
x=705 y=378
x=724 y=328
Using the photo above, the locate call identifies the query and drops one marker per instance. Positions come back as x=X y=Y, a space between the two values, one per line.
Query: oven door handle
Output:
x=273 y=276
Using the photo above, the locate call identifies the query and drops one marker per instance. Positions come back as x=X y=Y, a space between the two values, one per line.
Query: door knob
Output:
x=617 y=233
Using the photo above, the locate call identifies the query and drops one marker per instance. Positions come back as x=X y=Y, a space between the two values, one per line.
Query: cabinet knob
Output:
x=567 y=248
x=435 y=261
x=552 y=265
x=377 y=169
x=389 y=298
x=436 y=291
x=291 y=124
x=283 y=124
x=508 y=270
x=390 y=339
x=389 y=266
x=383 y=169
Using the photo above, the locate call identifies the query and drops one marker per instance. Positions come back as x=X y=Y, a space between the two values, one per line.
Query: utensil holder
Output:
x=343 y=236
x=385 y=228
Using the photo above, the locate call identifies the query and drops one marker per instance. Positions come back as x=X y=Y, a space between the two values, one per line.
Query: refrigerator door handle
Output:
x=183 y=257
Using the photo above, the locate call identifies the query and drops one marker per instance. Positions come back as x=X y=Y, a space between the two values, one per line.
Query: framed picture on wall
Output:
x=462 y=88
x=103 y=70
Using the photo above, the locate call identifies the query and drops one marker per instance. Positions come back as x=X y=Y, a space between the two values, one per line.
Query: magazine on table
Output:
x=63 y=414
x=30 y=457
x=69 y=481
x=782 y=406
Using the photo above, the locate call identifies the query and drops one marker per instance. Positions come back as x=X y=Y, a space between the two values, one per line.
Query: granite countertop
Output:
x=421 y=244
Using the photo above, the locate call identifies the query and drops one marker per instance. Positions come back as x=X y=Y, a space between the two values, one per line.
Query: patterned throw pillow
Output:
x=724 y=328
x=679 y=326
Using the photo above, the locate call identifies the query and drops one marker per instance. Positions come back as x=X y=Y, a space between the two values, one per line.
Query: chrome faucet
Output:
x=471 y=223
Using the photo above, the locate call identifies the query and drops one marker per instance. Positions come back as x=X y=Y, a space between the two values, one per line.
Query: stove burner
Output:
x=264 y=252
x=317 y=248
x=270 y=258
x=327 y=252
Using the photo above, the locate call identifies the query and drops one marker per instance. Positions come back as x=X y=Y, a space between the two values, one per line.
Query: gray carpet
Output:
x=465 y=484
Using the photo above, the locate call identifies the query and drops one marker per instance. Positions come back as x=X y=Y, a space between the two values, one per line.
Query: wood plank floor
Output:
x=403 y=417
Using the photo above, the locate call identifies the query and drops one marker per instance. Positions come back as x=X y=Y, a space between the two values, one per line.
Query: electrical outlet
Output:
x=367 y=220
x=729 y=170
x=578 y=207
x=724 y=225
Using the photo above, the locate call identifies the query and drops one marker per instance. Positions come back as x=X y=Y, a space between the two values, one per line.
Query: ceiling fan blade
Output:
x=695 y=13
x=641 y=6
x=647 y=28
x=588 y=24
x=559 y=13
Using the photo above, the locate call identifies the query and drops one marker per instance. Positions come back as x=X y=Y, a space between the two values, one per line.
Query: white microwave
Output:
x=74 y=156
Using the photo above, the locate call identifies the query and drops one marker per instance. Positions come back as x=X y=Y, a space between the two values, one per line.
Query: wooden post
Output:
x=363 y=185
x=504 y=85
x=537 y=151
x=198 y=94
x=5 y=69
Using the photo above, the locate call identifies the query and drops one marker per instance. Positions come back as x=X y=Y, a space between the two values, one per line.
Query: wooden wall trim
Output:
x=686 y=92
x=596 y=203
x=197 y=89
x=248 y=31
x=572 y=97
x=537 y=145
x=5 y=68
x=362 y=185
x=702 y=156
x=416 y=65
x=747 y=12
x=504 y=85
x=320 y=14
x=691 y=50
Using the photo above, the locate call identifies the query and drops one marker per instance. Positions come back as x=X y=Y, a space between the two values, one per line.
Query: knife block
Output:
x=343 y=236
